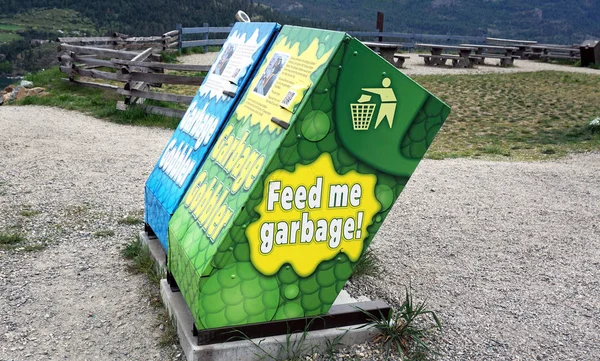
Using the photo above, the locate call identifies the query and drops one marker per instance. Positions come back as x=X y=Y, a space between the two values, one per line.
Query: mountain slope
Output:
x=553 y=20
x=149 y=17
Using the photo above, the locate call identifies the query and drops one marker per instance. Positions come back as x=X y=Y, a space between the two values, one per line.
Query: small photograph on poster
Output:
x=224 y=59
x=271 y=73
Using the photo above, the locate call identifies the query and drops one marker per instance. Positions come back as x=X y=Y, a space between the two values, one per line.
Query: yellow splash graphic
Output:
x=281 y=82
x=310 y=215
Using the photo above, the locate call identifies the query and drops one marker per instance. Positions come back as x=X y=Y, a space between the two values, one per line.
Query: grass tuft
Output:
x=295 y=347
x=131 y=220
x=367 y=265
x=141 y=261
x=104 y=233
x=27 y=211
x=10 y=239
x=405 y=331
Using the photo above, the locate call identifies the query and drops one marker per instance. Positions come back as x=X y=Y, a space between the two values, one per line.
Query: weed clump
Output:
x=405 y=330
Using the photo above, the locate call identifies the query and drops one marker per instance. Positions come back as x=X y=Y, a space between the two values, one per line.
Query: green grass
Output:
x=141 y=262
x=11 y=27
x=526 y=116
x=66 y=20
x=523 y=116
x=97 y=102
x=295 y=347
x=131 y=220
x=9 y=240
x=367 y=265
x=29 y=212
x=35 y=247
x=8 y=37
x=405 y=331
x=104 y=233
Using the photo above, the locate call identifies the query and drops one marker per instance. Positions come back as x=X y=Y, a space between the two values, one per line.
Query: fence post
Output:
x=205 y=37
x=380 y=24
x=180 y=40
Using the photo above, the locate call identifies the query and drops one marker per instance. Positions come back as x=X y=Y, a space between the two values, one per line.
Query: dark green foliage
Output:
x=558 y=21
x=5 y=67
x=148 y=17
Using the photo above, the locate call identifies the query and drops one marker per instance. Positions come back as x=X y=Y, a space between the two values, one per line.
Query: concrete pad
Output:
x=344 y=298
x=255 y=349
x=156 y=251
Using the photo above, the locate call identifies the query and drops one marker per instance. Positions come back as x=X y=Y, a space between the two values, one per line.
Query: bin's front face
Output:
x=326 y=185
x=203 y=121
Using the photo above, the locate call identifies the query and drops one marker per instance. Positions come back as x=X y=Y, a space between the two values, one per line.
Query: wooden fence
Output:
x=111 y=65
x=408 y=40
x=217 y=36
x=165 y=42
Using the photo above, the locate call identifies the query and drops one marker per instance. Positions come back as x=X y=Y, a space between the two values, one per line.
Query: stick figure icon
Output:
x=388 y=101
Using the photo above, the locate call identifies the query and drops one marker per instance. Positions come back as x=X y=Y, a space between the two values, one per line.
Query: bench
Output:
x=532 y=55
x=400 y=59
x=386 y=51
x=505 y=60
x=551 y=56
x=509 y=42
x=457 y=60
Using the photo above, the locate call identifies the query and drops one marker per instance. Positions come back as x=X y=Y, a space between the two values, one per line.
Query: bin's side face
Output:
x=202 y=122
x=324 y=195
x=207 y=218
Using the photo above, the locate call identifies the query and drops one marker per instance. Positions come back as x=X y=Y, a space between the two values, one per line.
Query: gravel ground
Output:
x=75 y=299
x=507 y=253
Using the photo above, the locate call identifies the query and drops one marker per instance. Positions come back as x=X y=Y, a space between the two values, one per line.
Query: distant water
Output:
x=5 y=81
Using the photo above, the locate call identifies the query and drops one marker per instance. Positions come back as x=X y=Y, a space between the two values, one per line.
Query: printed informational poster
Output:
x=203 y=121
x=304 y=173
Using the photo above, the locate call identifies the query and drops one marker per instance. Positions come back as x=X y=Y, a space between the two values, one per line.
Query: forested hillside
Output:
x=561 y=21
x=23 y=23
x=149 y=17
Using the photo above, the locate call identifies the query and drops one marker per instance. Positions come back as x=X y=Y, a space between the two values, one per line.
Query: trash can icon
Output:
x=361 y=115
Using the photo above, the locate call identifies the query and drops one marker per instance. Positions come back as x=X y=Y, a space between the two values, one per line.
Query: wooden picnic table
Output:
x=438 y=58
x=509 y=42
x=506 y=54
x=388 y=51
x=481 y=48
x=545 y=51
x=548 y=48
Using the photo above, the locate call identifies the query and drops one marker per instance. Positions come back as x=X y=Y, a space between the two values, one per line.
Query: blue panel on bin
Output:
x=203 y=121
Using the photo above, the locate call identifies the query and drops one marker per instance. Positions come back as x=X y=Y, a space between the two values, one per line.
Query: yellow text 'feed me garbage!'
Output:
x=311 y=215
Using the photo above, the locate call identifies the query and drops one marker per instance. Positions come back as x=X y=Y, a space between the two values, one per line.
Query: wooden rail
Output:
x=408 y=40
x=133 y=74
x=210 y=35
x=167 y=41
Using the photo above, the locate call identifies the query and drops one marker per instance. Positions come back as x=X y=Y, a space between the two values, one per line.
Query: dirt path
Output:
x=506 y=252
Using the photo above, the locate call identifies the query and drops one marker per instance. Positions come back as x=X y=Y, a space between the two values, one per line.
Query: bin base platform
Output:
x=270 y=338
